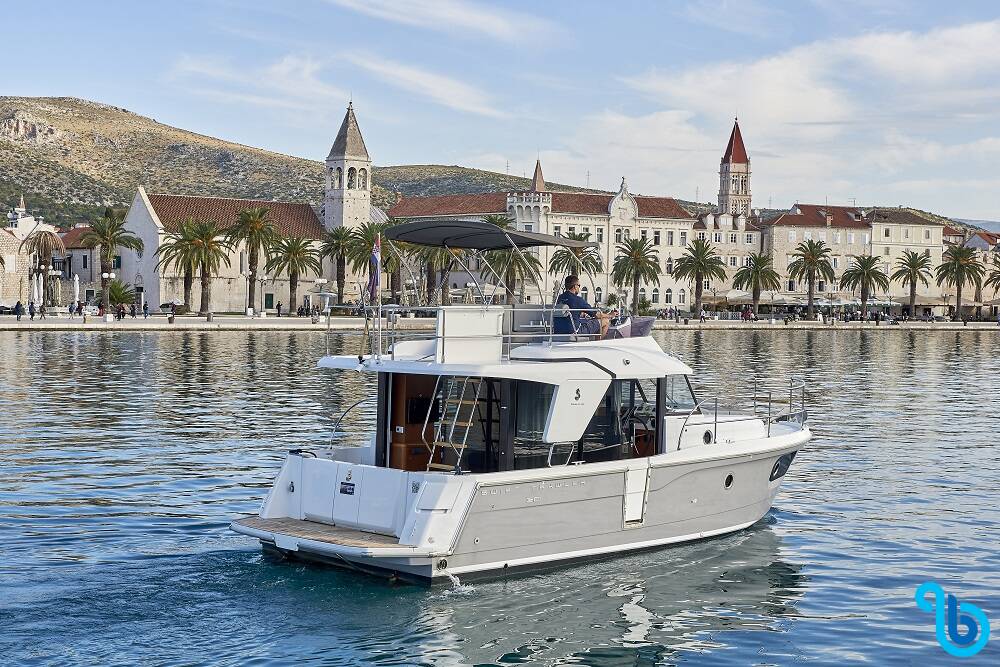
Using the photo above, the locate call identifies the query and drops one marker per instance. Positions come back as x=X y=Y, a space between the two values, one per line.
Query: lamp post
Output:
x=263 y=279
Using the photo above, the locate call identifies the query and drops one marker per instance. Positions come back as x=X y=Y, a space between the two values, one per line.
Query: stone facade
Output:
x=734 y=176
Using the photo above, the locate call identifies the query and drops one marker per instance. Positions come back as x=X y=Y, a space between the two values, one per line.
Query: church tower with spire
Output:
x=348 y=198
x=734 y=176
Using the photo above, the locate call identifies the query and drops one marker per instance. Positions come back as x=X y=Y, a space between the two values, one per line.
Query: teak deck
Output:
x=320 y=532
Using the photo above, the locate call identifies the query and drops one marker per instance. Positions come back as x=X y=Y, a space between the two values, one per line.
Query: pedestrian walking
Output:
x=41 y=311
x=19 y=310
x=278 y=308
x=145 y=310
x=131 y=311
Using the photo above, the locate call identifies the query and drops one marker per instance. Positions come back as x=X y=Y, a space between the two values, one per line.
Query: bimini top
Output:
x=474 y=236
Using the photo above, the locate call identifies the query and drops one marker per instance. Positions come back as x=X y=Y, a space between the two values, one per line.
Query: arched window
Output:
x=352 y=178
x=668 y=296
x=656 y=295
x=642 y=292
x=669 y=265
x=338 y=178
x=598 y=295
x=584 y=292
x=362 y=179
x=681 y=297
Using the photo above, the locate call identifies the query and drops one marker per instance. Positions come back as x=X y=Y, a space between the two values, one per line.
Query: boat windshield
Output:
x=678 y=396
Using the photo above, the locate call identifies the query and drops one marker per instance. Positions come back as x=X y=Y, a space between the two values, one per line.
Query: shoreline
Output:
x=242 y=323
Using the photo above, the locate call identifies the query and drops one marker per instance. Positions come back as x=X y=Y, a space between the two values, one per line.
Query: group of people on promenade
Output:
x=120 y=311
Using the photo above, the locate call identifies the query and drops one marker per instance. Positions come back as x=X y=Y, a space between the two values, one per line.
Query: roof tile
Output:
x=292 y=219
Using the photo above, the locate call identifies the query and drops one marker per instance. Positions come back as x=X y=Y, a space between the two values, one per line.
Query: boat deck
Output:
x=319 y=532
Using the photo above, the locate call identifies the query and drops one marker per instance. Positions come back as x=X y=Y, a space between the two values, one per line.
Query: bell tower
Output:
x=348 y=198
x=734 y=176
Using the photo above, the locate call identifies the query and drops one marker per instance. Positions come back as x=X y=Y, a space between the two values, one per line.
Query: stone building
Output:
x=896 y=230
x=606 y=218
x=347 y=202
x=15 y=275
x=845 y=230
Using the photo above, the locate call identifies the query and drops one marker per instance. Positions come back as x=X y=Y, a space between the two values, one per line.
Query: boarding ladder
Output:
x=454 y=423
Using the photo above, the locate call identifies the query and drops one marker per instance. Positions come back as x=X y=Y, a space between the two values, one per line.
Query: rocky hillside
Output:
x=72 y=157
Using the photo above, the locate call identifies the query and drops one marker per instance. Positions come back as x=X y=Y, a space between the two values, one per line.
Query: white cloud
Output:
x=438 y=88
x=744 y=17
x=291 y=82
x=455 y=16
x=840 y=118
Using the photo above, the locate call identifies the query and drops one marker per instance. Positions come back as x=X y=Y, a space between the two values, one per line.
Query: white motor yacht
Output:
x=499 y=446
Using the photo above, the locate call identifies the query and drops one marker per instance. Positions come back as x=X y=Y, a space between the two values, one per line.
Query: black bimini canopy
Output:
x=473 y=236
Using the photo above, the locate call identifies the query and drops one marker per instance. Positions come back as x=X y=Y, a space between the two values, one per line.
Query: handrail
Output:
x=787 y=414
x=344 y=414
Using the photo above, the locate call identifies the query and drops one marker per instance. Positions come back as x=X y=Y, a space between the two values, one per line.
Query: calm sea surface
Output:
x=123 y=458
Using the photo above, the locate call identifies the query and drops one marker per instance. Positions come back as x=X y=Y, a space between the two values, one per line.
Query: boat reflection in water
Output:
x=641 y=609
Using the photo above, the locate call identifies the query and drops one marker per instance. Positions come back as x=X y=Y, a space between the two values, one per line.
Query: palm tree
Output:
x=698 y=264
x=211 y=250
x=865 y=274
x=515 y=263
x=960 y=267
x=178 y=250
x=44 y=245
x=912 y=268
x=258 y=232
x=109 y=233
x=812 y=261
x=336 y=244
x=118 y=293
x=575 y=261
x=438 y=263
x=994 y=278
x=757 y=275
x=636 y=261
x=294 y=256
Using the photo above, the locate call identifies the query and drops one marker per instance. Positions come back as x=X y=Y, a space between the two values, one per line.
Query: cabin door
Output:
x=636 y=490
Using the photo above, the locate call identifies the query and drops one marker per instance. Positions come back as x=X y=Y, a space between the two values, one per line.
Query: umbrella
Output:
x=35 y=288
x=76 y=288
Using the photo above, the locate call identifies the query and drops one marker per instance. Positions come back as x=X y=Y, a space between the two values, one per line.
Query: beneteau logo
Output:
x=949 y=613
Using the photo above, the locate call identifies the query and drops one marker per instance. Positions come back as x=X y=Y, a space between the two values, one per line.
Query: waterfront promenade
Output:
x=243 y=323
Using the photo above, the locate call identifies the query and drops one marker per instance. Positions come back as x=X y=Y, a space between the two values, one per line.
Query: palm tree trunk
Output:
x=189 y=283
x=756 y=299
x=913 y=299
x=293 y=289
x=958 y=301
x=699 y=286
x=864 y=303
x=445 y=292
x=809 y=299
x=431 y=283
x=252 y=268
x=509 y=279
x=635 y=294
x=206 y=288
x=341 y=276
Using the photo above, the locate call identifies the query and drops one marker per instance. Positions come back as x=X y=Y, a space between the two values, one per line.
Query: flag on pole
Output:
x=375 y=269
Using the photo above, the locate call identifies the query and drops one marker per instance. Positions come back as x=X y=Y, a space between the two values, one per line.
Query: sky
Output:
x=894 y=102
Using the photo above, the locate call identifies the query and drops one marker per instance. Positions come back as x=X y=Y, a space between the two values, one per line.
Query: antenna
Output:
x=588 y=178
x=508 y=167
x=696 y=191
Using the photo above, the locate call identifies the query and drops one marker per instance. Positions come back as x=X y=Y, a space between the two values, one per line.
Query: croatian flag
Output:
x=374 y=269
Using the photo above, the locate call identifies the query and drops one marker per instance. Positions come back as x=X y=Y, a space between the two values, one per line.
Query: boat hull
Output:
x=546 y=518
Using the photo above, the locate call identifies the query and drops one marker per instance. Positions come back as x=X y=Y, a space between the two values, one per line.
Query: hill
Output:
x=72 y=157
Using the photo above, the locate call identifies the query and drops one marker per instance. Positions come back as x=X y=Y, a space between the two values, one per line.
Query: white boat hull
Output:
x=430 y=526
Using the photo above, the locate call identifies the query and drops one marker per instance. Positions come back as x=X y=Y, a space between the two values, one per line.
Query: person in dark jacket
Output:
x=31 y=310
x=19 y=310
x=584 y=318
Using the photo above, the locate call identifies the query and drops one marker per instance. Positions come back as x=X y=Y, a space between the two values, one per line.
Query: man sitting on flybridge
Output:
x=583 y=319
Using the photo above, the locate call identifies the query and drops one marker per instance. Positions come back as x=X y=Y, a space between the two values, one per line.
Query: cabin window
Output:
x=532 y=409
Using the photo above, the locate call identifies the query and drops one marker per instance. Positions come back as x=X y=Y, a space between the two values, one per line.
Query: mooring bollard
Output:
x=208 y=317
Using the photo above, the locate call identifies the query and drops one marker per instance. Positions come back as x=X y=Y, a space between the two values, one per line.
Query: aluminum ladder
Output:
x=454 y=397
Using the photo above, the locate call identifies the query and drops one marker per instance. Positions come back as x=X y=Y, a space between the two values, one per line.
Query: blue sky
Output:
x=884 y=101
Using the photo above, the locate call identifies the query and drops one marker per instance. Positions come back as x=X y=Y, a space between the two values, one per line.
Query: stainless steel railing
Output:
x=761 y=410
